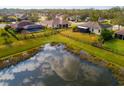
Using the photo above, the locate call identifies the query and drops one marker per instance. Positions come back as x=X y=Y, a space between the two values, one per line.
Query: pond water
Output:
x=54 y=66
x=34 y=30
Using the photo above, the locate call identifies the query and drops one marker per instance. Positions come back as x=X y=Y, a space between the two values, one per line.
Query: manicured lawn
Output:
x=2 y=41
x=39 y=33
x=22 y=45
x=19 y=46
x=115 y=45
x=85 y=37
x=22 y=36
x=100 y=53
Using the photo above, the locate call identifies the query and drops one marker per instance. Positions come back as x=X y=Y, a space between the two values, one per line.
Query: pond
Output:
x=34 y=30
x=54 y=66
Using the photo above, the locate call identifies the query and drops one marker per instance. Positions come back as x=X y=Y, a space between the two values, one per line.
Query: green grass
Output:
x=22 y=36
x=22 y=45
x=11 y=38
x=100 y=53
x=19 y=46
x=85 y=37
x=115 y=45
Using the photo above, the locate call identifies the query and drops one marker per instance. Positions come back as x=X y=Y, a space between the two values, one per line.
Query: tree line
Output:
x=114 y=14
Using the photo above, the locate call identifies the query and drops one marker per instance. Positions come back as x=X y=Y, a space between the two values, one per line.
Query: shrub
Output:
x=106 y=35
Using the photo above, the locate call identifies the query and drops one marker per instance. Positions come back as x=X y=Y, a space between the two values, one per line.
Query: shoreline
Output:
x=118 y=71
x=19 y=57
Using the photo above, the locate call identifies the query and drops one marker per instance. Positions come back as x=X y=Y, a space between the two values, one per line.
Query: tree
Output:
x=117 y=8
x=106 y=35
x=118 y=20
x=5 y=36
x=11 y=31
x=49 y=17
x=7 y=27
x=74 y=28
x=33 y=17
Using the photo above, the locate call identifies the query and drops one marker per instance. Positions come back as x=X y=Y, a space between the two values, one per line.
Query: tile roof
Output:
x=95 y=25
x=55 y=21
x=89 y=24
x=105 y=25
x=21 y=24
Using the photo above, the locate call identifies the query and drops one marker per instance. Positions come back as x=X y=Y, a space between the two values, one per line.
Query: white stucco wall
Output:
x=2 y=25
x=96 y=31
x=117 y=27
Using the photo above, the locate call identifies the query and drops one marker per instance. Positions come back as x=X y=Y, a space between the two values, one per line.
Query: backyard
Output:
x=84 y=37
x=23 y=45
x=115 y=45
x=27 y=41
x=75 y=42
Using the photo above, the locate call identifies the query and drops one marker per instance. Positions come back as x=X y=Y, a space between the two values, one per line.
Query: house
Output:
x=33 y=26
x=83 y=29
x=75 y=18
x=42 y=18
x=116 y=27
x=93 y=27
x=120 y=34
x=56 y=23
x=9 y=19
x=103 y=20
x=2 y=26
x=1 y=18
x=71 y=19
x=26 y=25
x=100 y=19
x=21 y=24
x=18 y=15
x=23 y=17
x=87 y=19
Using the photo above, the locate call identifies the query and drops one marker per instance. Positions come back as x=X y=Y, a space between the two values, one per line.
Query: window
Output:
x=99 y=31
x=92 y=29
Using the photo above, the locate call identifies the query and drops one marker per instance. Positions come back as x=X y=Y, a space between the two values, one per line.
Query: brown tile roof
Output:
x=24 y=23
x=58 y=21
x=55 y=21
x=47 y=22
x=21 y=24
x=94 y=25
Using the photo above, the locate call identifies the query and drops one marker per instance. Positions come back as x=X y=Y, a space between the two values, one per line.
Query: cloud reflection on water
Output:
x=44 y=66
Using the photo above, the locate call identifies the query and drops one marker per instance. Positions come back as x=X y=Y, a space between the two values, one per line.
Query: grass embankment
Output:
x=77 y=46
x=84 y=37
x=22 y=45
x=2 y=41
x=27 y=42
x=99 y=56
x=19 y=46
x=115 y=45
x=100 y=53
